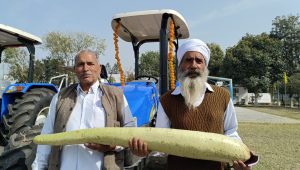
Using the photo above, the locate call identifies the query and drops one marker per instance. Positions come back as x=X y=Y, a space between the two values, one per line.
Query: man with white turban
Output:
x=195 y=105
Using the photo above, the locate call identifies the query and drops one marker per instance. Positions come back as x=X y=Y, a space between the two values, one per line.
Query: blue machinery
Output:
x=228 y=84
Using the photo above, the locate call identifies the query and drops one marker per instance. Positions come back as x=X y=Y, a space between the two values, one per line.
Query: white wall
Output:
x=241 y=96
x=264 y=98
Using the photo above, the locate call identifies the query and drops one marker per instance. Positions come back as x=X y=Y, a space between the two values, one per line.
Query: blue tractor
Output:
x=23 y=105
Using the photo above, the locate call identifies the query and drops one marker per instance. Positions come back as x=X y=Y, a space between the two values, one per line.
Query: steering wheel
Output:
x=145 y=77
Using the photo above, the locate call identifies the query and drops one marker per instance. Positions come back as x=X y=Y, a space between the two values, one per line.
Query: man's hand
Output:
x=240 y=165
x=138 y=147
x=100 y=147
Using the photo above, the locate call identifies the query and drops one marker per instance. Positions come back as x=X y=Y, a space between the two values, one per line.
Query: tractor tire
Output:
x=20 y=152
x=3 y=140
x=25 y=120
x=24 y=112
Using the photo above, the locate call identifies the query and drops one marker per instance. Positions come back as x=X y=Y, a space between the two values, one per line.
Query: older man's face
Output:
x=87 y=69
x=192 y=75
x=194 y=63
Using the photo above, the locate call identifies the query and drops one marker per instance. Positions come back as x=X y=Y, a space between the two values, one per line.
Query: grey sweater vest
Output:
x=113 y=103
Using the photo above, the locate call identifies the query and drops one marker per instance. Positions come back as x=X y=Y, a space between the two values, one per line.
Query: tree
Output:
x=60 y=46
x=216 y=59
x=249 y=63
x=115 y=69
x=293 y=85
x=19 y=66
x=65 y=46
x=52 y=67
x=129 y=76
x=19 y=62
x=287 y=30
x=111 y=79
x=108 y=68
x=40 y=70
x=149 y=64
x=111 y=70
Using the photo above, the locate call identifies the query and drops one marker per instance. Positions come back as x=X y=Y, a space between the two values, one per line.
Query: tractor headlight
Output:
x=15 y=89
x=11 y=89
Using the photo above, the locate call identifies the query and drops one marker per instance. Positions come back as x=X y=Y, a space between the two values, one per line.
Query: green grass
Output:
x=277 y=144
x=293 y=113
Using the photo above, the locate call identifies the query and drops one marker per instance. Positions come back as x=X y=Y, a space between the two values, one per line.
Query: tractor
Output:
x=24 y=106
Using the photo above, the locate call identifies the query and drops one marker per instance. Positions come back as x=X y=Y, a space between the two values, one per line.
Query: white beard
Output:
x=192 y=88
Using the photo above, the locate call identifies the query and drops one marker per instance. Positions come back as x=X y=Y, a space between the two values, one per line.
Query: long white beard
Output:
x=192 y=88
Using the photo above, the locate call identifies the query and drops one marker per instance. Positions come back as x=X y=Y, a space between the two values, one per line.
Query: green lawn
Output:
x=277 y=144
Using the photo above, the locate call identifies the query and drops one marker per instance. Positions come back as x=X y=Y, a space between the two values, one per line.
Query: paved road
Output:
x=247 y=115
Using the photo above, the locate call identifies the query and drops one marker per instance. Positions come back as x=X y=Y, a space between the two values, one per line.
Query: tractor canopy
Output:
x=13 y=37
x=146 y=27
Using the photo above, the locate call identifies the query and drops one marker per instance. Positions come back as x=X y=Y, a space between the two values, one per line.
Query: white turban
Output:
x=194 y=45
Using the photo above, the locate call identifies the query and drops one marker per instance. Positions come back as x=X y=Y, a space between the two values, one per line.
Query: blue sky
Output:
x=222 y=22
